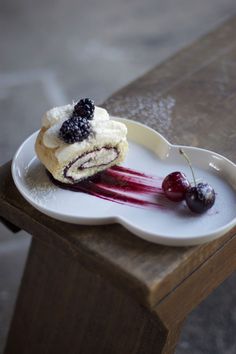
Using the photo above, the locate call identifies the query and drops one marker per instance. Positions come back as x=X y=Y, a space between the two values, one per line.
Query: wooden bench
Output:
x=100 y=289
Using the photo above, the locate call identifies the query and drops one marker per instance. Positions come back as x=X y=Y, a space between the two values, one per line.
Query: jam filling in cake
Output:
x=96 y=158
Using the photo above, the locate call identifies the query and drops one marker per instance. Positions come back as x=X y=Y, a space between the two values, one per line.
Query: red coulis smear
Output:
x=121 y=185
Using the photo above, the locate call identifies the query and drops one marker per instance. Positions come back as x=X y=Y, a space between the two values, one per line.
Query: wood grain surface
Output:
x=190 y=99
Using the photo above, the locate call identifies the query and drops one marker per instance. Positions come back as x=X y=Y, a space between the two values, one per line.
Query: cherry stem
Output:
x=190 y=165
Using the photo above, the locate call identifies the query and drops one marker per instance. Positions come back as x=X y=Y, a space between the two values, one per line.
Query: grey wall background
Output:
x=54 y=51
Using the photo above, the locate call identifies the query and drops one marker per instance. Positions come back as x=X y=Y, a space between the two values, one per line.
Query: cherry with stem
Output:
x=200 y=197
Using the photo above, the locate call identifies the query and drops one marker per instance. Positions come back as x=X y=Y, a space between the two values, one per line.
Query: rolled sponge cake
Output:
x=69 y=163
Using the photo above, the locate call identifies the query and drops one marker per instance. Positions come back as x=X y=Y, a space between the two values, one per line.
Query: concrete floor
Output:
x=53 y=52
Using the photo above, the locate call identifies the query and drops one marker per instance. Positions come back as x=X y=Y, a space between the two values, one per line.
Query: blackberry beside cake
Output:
x=79 y=140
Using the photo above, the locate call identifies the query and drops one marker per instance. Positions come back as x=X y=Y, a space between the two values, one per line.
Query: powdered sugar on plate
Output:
x=38 y=184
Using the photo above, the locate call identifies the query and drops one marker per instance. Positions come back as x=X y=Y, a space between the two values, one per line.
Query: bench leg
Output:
x=64 y=308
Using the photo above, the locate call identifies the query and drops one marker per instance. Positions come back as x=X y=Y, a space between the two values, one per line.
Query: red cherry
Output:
x=175 y=186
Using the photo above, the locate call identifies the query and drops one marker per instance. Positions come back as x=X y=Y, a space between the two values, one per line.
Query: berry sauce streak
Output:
x=121 y=185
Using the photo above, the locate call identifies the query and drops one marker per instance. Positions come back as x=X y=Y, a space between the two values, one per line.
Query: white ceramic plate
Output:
x=149 y=153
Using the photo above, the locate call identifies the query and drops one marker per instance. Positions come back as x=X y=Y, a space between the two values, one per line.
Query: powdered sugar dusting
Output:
x=39 y=187
x=155 y=111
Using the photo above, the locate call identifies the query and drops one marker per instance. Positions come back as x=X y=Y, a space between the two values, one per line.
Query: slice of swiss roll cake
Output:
x=78 y=140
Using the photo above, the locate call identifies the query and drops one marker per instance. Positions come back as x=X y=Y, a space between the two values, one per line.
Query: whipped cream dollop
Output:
x=104 y=130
